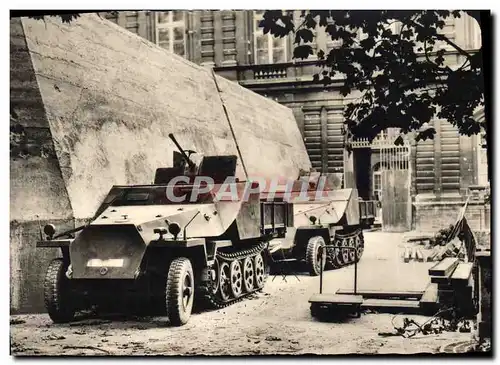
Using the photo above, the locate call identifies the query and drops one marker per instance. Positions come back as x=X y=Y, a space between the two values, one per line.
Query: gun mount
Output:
x=186 y=157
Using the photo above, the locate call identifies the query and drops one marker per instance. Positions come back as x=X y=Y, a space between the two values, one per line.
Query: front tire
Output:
x=314 y=263
x=180 y=291
x=57 y=294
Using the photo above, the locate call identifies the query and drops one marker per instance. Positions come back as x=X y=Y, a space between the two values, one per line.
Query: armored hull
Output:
x=160 y=248
x=326 y=219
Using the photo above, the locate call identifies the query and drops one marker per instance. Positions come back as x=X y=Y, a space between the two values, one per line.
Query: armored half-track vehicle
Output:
x=150 y=250
x=334 y=222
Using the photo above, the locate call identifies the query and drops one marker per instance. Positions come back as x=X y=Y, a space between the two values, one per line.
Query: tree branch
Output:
x=467 y=61
x=436 y=66
x=443 y=38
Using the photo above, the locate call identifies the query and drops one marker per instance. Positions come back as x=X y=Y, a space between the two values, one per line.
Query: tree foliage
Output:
x=403 y=76
x=65 y=18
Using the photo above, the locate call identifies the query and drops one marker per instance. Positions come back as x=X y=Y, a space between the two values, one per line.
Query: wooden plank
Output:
x=430 y=295
x=447 y=252
x=440 y=280
x=446 y=292
x=462 y=273
x=463 y=292
x=444 y=286
x=460 y=295
x=433 y=254
x=382 y=294
x=450 y=250
x=418 y=239
x=336 y=299
x=387 y=303
x=406 y=255
x=413 y=254
x=419 y=255
x=445 y=267
x=446 y=296
x=441 y=254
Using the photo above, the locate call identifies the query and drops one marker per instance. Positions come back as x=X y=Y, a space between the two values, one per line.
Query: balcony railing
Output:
x=281 y=73
x=270 y=72
x=296 y=73
x=378 y=142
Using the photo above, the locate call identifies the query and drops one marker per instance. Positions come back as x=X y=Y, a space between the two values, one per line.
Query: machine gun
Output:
x=185 y=157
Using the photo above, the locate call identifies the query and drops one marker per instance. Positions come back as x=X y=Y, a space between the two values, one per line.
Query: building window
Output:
x=171 y=31
x=267 y=48
x=377 y=190
x=377 y=184
x=482 y=160
x=388 y=135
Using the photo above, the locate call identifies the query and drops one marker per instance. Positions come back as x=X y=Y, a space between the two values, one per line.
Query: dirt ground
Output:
x=276 y=321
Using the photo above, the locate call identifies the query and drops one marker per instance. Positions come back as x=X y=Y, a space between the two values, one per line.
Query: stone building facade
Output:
x=440 y=171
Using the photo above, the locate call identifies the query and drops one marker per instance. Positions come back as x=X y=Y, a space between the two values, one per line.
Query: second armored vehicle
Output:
x=333 y=222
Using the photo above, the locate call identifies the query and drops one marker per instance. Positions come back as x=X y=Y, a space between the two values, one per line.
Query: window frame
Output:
x=377 y=191
x=482 y=159
x=257 y=31
x=170 y=25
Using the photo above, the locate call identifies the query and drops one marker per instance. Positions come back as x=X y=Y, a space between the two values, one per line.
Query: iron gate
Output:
x=395 y=181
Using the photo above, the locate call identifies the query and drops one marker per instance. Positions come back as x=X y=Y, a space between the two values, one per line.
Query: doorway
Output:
x=394 y=188
x=377 y=191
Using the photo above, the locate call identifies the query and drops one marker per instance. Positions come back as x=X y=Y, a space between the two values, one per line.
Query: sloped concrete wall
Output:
x=37 y=189
x=101 y=104
x=111 y=99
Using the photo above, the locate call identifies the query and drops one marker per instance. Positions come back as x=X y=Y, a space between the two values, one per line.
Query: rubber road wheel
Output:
x=314 y=264
x=57 y=294
x=180 y=291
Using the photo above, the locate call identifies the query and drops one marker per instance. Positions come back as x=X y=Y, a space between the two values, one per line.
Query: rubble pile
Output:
x=444 y=247
x=439 y=246
x=454 y=248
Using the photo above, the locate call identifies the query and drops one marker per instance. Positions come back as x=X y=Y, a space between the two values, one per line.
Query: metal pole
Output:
x=321 y=270
x=355 y=275
x=230 y=125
